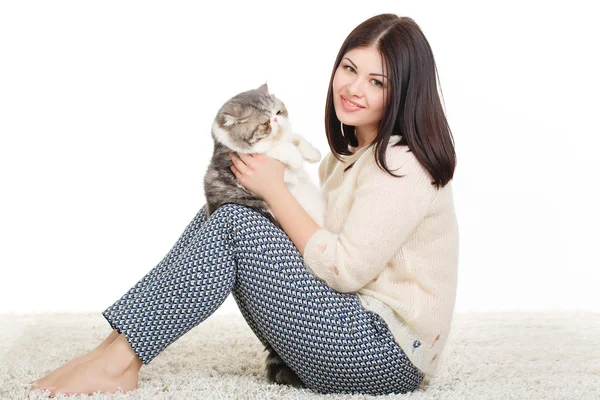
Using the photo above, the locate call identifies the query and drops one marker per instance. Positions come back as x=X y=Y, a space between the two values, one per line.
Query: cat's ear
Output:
x=229 y=119
x=264 y=88
x=231 y=114
x=232 y=120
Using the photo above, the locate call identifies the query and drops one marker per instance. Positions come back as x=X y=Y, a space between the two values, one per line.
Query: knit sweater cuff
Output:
x=319 y=255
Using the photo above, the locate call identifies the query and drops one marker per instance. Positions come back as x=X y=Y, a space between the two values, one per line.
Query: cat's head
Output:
x=251 y=121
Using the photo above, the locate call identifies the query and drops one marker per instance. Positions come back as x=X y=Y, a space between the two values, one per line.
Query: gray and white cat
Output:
x=256 y=121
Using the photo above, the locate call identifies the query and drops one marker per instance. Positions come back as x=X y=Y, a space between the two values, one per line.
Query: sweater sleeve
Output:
x=384 y=211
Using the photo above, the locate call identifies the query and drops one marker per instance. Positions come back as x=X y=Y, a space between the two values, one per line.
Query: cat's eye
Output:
x=267 y=123
x=279 y=112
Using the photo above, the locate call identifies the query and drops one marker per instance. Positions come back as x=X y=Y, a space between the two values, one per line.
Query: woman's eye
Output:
x=378 y=83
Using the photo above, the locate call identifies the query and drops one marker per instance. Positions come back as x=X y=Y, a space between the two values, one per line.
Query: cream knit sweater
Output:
x=393 y=241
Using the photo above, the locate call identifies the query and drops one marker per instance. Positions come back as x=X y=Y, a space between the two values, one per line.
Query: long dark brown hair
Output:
x=412 y=106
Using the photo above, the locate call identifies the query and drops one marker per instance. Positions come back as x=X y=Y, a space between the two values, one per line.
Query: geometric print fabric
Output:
x=327 y=338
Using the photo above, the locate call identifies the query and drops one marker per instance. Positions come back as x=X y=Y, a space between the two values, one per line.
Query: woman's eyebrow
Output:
x=355 y=67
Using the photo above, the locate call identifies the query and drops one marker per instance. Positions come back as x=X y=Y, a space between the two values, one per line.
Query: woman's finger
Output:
x=247 y=159
x=239 y=163
x=234 y=170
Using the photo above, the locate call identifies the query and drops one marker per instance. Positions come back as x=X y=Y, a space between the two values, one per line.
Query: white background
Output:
x=106 y=110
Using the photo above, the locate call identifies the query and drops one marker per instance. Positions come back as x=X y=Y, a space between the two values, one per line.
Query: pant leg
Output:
x=326 y=337
x=179 y=293
x=245 y=311
x=169 y=258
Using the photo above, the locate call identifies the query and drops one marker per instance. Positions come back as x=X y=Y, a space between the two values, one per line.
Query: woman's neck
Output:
x=365 y=136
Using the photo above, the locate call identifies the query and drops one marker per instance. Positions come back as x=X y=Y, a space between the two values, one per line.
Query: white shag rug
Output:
x=549 y=355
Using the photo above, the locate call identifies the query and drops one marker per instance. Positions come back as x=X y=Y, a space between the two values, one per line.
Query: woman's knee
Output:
x=232 y=208
x=238 y=212
x=251 y=226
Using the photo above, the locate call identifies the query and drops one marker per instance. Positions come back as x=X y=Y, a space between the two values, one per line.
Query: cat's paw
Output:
x=307 y=150
x=311 y=154
x=279 y=372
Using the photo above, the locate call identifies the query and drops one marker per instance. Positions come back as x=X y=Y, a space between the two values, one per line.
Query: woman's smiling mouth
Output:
x=349 y=105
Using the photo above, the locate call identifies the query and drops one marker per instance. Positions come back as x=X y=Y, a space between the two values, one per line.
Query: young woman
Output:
x=360 y=305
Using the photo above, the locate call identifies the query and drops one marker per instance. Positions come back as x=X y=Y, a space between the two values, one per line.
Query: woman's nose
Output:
x=354 y=88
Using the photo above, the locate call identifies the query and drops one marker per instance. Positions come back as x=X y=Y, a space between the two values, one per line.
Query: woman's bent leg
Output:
x=330 y=341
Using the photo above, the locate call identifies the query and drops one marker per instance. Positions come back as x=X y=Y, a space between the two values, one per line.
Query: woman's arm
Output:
x=263 y=176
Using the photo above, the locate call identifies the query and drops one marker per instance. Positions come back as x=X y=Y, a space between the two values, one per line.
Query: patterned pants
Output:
x=332 y=343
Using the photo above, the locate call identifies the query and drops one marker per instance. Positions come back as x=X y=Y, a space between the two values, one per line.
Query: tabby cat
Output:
x=256 y=121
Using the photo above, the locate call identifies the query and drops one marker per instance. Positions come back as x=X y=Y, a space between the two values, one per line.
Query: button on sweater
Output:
x=394 y=242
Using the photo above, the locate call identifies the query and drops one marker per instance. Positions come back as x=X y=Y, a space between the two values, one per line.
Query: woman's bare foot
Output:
x=94 y=375
x=71 y=364
x=116 y=368
x=54 y=375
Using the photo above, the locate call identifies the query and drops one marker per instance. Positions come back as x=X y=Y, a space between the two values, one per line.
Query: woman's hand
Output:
x=259 y=173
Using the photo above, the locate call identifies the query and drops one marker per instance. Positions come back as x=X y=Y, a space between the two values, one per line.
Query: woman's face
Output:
x=359 y=79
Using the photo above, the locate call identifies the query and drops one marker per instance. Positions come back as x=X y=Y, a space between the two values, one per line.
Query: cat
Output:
x=256 y=121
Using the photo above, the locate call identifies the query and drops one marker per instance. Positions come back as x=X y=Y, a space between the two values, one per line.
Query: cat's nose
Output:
x=275 y=119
